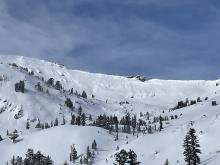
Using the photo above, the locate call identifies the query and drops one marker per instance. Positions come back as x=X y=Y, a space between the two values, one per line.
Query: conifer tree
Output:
x=83 y=119
x=187 y=150
x=48 y=161
x=132 y=158
x=19 y=160
x=72 y=122
x=65 y=163
x=80 y=110
x=121 y=157
x=64 y=120
x=38 y=125
x=56 y=122
x=39 y=87
x=166 y=162
x=19 y=87
x=58 y=85
x=27 y=125
x=69 y=103
x=73 y=154
x=78 y=120
x=88 y=153
x=84 y=95
x=149 y=129
x=93 y=156
x=191 y=148
x=90 y=117
x=29 y=157
x=161 y=123
x=13 y=161
x=115 y=121
x=81 y=160
x=51 y=124
x=50 y=82
x=94 y=145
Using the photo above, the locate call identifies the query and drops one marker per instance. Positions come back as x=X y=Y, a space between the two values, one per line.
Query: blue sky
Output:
x=161 y=39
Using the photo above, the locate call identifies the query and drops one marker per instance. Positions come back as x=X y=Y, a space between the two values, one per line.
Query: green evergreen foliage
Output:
x=73 y=154
x=19 y=87
x=84 y=95
x=58 y=85
x=50 y=82
x=191 y=148
x=94 y=145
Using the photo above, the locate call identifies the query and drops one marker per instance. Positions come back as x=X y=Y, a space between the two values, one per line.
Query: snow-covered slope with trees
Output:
x=36 y=93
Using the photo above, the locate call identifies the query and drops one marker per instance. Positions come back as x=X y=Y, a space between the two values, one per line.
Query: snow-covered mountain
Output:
x=109 y=95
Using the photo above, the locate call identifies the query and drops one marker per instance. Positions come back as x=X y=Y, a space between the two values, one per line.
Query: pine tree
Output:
x=149 y=129
x=50 y=82
x=73 y=154
x=29 y=157
x=32 y=159
x=161 y=123
x=38 y=157
x=187 y=150
x=56 y=122
x=166 y=162
x=88 y=153
x=94 y=145
x=93 y=156
x=19 y=160
x=38 y=125
x=115 y=121
x=71 y=91
x=78 y=120
x=65 y=163
x=127 y=123
x=58 y=85
x=64 y=120
x=132 y=158
x=81 y=161
x=27 y=125
x=80 y=111
x=48 y=161
x=39 y=87
x=90 y=117
x=51 y=124
x=19 y=87
x=69 y=103
x=194 y=147
x=191 y=148
x=121 y=157
x=13 y=162
x=134 y=123
x=84 y=95
x=148 y=115
x=83 y=119
x=72 y=122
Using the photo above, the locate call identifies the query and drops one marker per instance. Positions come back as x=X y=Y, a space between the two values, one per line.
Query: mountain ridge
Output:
x=109 y=95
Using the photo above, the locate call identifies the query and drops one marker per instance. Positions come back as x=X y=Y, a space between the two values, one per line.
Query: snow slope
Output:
x=154 y=96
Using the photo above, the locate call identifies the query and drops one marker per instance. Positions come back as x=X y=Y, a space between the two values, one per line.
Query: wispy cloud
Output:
x=176 y=39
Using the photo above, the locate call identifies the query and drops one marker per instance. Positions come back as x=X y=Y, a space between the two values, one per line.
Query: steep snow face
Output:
x=114 y=95
x=117 y=88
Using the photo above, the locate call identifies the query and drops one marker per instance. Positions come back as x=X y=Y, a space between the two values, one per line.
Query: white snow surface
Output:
x=154 y=96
